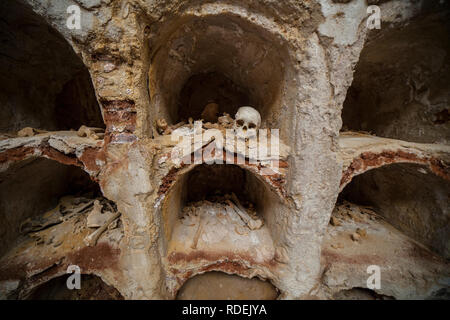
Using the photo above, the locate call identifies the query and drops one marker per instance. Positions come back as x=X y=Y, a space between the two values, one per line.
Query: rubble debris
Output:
x=209 y=125
x=350 y=211
x=221 y=123
x=361 y=232
x=164 y=129
x=211 y=226
x=337 y=245
x=226 y=121
x=26 y=132
x=227 y=206
x=355 y=236
x=91 y=133
x=240 y=230
x=29 y=132
x=67 y=208
x=48 y=219
x=69 y=205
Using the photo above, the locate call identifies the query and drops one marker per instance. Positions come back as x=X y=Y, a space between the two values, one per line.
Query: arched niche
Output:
x=44 y=83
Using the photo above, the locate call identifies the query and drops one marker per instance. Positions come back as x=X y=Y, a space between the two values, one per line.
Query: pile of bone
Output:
x=347 y=211
x=83 y=131
x=231 y=205
x=101 y=214
x=246 y=123
x=244 y=219
x=104 y=215
x=67 y=208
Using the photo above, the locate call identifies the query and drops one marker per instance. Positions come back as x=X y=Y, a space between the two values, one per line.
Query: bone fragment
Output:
x=178 y=125
x=197 y=233
x=240 y=210
x=96 y=217
x=226 y=121
x=29 y=132
x=91 y=240
x=91 y=133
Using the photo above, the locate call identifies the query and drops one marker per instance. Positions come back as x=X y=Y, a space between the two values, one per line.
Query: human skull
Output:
x=247 y=122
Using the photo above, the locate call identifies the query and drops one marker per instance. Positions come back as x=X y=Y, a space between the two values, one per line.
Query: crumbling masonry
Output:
x=87 y=177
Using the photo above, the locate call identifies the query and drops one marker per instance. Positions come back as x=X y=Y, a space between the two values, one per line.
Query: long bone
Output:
x=240 y=210
x=91 y=240
x=199 y=230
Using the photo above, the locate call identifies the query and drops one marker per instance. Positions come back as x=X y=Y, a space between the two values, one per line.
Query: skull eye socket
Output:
x=251 y=125
x=240 y=123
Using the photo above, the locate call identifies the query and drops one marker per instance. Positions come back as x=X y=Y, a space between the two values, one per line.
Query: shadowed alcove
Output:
x=217 y=212
x=411 y=198
x=43 y=83
x=92 y=288
x=219 y=58
x=31 y=188
x=401 y=86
